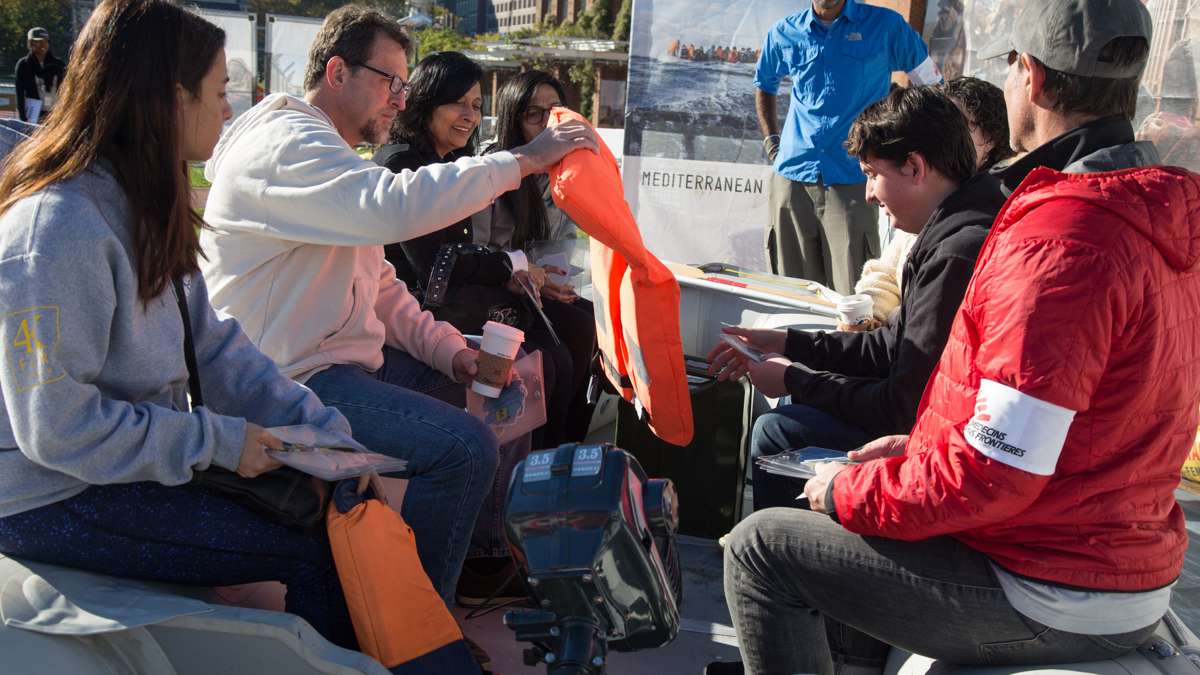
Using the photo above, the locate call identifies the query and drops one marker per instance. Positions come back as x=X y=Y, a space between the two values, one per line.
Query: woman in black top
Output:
x=466 y=284
x=438 y=125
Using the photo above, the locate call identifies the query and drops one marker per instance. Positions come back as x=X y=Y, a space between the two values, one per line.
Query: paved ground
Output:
x=705 y=633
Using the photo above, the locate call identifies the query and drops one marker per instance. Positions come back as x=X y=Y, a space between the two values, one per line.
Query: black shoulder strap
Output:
x=189 y=349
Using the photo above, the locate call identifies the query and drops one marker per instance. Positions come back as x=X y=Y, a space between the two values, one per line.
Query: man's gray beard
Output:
x=825 y=5
x=370 y=132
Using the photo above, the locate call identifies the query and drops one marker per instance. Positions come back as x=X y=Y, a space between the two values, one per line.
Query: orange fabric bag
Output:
x=397 y=614
x=636 y=297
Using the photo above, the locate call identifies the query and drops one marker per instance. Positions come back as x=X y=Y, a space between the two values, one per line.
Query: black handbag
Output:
x=471 y=305
x=468 y=306
x=285 y=495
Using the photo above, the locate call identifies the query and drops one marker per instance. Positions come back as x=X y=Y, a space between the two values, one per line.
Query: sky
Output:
x=708 y=22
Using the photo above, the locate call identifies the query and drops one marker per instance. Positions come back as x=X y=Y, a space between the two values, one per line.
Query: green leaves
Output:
x=18 y=16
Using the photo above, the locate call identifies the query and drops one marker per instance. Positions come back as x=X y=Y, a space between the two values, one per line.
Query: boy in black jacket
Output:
x=39 y=74
x=850 y=388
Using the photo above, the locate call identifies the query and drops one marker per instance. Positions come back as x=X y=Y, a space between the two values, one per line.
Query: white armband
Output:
x=520 y=263
x=1017 y=429
x=926 y=73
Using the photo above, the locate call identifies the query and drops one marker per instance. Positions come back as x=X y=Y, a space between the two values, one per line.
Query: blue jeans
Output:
x=406 y=409
x=789 y=427
x=184 y=535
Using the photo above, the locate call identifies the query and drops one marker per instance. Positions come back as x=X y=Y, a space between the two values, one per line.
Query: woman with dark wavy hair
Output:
x=527 y=218
x=98 y=263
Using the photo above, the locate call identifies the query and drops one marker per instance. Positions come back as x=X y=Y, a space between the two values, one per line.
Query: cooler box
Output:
x=713 y=294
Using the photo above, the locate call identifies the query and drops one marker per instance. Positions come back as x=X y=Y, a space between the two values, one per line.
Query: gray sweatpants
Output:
x=822 y=233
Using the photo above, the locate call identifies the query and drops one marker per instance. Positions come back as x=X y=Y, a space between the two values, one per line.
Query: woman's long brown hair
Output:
x=119 y=104
x=528 y=209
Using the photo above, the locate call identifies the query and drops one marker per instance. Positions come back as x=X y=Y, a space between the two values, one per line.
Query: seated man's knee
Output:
x=770 y=435
x=744 y=545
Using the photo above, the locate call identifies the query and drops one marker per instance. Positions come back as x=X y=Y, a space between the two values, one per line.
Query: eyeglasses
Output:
x=395 y=84
x=536 y=115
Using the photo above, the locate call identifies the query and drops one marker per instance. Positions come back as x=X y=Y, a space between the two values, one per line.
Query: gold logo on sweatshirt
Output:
x=30 y=342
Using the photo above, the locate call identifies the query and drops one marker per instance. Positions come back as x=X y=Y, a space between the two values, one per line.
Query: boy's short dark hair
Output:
x=915 y=119
x=983 y=104
x=1100 y=96
x=349 y=32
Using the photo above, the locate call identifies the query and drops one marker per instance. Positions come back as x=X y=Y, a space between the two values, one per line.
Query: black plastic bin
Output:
x=709 y=474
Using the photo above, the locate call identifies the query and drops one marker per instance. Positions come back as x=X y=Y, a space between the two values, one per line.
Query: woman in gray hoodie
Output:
x=97 y=439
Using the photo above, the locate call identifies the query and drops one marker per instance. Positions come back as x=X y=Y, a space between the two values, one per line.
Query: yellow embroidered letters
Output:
x=30 y=341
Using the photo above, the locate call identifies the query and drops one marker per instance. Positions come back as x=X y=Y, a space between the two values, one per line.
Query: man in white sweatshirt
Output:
x=295 y=253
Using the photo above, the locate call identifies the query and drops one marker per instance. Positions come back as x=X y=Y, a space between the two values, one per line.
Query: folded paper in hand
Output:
x=800 y=463
x=329 y=455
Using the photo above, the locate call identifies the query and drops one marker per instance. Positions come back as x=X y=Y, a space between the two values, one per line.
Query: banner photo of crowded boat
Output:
x=694 y=169
x=288 y=40
x=241 y=59
x=1167 y=99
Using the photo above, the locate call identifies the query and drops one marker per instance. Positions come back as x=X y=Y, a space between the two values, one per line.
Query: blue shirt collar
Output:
x=850 y=11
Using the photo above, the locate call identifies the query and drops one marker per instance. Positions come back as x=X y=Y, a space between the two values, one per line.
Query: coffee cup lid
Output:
x=856 y=301
x=503 y=331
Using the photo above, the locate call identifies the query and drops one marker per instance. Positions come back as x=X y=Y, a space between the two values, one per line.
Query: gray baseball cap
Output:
x=1068 y=35
x=38 y=33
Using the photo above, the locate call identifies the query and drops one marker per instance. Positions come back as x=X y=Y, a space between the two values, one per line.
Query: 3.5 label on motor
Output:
x=537 y=466
x=588 y=459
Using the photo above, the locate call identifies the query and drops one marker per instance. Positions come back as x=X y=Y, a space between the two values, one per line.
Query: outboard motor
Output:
x=594 y=539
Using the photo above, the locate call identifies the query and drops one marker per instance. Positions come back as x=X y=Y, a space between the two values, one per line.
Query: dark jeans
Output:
x=789 y=427
x=191 y=535
x=806 y=596
x=566 y=367
x=407 y=409
x=184 y=535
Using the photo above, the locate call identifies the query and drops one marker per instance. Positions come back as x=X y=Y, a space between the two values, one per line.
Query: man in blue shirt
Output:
x=840 y=55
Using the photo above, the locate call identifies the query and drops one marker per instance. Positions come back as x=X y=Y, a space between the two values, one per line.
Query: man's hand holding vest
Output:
x=550 y=146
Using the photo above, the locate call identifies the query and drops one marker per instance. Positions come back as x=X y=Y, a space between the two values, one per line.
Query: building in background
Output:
x=603 y=88
x=508 y=16
x=474 y=16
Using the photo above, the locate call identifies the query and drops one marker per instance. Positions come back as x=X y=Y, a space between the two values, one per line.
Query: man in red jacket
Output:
x=1030 y=517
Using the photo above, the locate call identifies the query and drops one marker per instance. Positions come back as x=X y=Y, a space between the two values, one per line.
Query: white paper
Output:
x=329 y=455
x=800 y=463
x=333 y=465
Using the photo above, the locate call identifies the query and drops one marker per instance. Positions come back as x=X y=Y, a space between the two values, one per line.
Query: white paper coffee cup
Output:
x=496 y=354
x=855 y=309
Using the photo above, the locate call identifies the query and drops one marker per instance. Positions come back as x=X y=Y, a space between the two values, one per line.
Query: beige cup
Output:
x=496 y=354
x=855 y=310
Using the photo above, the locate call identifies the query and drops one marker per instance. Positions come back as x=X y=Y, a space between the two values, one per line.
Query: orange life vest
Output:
x=635 y=295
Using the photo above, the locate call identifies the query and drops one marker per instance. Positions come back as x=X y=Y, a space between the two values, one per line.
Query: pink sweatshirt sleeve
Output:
x=413 y=329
